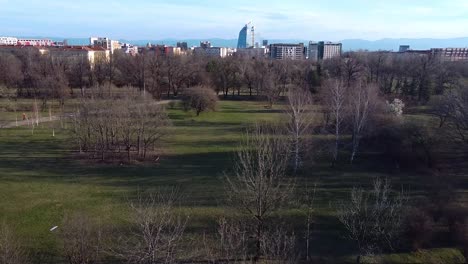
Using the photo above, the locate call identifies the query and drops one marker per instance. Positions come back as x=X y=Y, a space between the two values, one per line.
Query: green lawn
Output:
x=41 y=180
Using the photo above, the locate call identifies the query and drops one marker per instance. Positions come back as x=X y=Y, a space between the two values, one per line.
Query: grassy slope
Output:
x=40 y=181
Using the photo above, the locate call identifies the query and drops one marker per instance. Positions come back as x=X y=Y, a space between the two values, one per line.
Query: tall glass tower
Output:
x=242 y=42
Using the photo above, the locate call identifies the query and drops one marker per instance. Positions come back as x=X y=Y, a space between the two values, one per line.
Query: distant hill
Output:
x=348 y=44
x=394 y=44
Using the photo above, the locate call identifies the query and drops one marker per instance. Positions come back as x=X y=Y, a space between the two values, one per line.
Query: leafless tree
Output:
x=300 y=119
x=200 y=99
x=79 y=73
x=81 y=239
x=373 y=219
x=155 y=76
x=259 y=186
x=334 y=97
x=362 y=104
x=11 y=251
x=10 y=75
x=454 y=106
x=234 y=237
x=279 y=246
x=157 y=230
x=309 y=201
x=106 y=127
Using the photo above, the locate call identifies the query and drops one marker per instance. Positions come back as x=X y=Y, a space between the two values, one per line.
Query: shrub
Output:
x=199 y=99
x=396 y=107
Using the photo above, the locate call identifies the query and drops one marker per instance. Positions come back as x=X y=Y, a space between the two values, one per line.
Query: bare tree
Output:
x=200 y=99
x=334 y=97
x=106 y=127
x=259 y=186
x=157 y=230
x=81 y=239
x=279 y=246
x=363 y=102
x=234 y=238
x=11 y=251
x=373 y=219
x=456 y=102
x=300 y=120
x=309 y=201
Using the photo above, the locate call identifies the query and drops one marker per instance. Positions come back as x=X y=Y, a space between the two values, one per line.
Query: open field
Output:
x=41 y=180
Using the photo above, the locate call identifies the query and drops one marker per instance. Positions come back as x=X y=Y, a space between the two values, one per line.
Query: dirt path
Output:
x=28 y=122
x=51 y=119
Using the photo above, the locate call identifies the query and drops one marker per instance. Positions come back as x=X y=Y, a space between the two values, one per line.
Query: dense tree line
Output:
x=414 y=77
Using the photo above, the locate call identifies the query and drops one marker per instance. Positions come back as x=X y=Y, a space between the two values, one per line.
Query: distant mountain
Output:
x=394 y=44
x=348 y=44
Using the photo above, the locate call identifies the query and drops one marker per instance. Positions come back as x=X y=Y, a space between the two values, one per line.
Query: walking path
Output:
x=51 y=119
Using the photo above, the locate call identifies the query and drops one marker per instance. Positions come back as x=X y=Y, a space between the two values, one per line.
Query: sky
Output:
x=286 y=19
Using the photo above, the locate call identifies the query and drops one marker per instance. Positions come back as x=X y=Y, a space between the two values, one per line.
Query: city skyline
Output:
x=143 y=19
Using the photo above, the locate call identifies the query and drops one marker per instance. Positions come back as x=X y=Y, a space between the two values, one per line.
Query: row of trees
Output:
x=130 y=127
x=413 y=77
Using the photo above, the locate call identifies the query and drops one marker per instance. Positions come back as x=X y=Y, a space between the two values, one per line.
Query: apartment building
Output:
x=319 y=51
x=8 y=41
x=450 y=54
x=106 y=43
x=287 y=51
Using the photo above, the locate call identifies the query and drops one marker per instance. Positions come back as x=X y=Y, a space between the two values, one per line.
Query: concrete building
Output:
x=404 y=48
x=182 y=45
x=450 y=54
x=92 y=54
x=35 y=42
x=205 y=44
x=251 y=53
x=129 y=49
x=319 y=51
x=211 y=51
x=287 y=51
x=8 y=41
x=10 y=49
x=88 y=52
x=106 y=43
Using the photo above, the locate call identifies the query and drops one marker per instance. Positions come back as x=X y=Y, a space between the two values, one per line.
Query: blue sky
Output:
x=286 y=19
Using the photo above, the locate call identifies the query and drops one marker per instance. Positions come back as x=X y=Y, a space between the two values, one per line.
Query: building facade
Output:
x=182 y=45
x=129 y=49
x=211 y=52
x=287 y=51
x=404 y=48
x=92 y=54
x=242 y=41
x=105 y=43
x=319 y=51
x=8 y=41
x=251 y=53
x=35 y=42
x=450 y=54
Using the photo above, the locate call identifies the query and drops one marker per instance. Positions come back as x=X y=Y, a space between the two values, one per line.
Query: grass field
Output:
x=41 y=180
